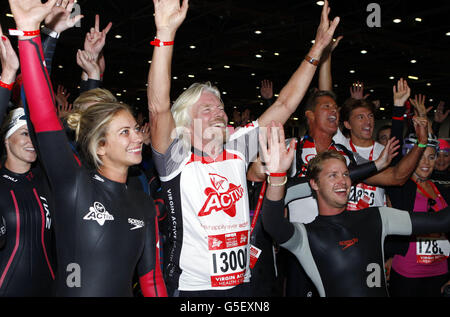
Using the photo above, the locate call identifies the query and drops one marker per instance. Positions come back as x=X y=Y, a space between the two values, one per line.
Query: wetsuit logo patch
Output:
x=222 y=196
x=136 y=223
x=348 y=243
x=98 y=213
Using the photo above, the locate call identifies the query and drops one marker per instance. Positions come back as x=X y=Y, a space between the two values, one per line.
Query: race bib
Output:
x=430 y=250
x=361 y=197
x=228 y=258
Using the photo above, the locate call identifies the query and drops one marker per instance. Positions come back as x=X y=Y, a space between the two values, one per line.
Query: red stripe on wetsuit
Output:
x=38 y=87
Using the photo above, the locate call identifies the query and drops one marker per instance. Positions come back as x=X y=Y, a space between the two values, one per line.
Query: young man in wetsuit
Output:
x=342 y=252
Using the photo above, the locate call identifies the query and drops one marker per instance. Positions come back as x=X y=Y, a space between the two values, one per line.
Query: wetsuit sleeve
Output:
x=149 y=266
x=279 y=228
x=86 y=85
x=57 y=156
x=5 y=95
x=358 y=173
x=297 y=188
x=398 y=121
x=401 y=222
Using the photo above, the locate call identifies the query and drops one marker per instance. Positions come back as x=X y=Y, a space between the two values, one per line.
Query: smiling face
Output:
x=19 y=147
x=442 y=161
x=426 y=163
x=332 y=186
x=123 y=145
x=209 y=120
x=361 y=123
x=325 y=116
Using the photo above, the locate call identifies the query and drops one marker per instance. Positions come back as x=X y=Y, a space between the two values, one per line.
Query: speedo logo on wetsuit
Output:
x=221 y=197
x=136 y=223
x=98 y=213
x=348 y=243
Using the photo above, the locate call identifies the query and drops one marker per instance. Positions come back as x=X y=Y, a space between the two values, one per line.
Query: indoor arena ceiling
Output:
x=237 y=43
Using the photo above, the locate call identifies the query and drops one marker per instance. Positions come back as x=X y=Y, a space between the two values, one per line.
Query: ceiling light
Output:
x=191 y=76
x=258 y=32
x=382 y=109
x=413 y=61
x=313 y=41
x=391 y=77
x=192 y=46
x=431 y=99
x=118 y=36
x=258 y=56
x=448 y=33
x=224 y=92
x=352 y=71
x=320 y=3
x=9 y=15
x=138 y=98
x=209 y=68
x=252 y=74
x=418 y=19
x=60 y=66
x=149 y=62
x=261 y=103
x=276 y=54
x=175 y=77
x=295 y=118
x=124 y=90
x=413 y=77
x=428 y=84
x=276 y=95
x=121 y=72
x=371 y=90
x=231 y=122
x=226 y=66
x=118 y=94
x=397 y=21
x=363 y=52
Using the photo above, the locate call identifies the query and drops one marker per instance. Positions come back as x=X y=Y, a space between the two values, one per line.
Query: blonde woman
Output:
x=104 y=230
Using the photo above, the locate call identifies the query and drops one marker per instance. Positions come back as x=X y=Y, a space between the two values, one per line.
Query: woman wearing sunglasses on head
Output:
x=422 y=271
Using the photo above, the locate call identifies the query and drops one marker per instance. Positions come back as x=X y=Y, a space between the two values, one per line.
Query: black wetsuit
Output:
x=104 y=231
x=343 y=254
x=26 y=260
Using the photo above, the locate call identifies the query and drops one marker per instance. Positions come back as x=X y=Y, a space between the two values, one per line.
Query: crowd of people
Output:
x=97 y=202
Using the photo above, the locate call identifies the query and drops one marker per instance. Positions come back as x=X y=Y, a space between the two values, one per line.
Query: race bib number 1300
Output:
x=228 y=258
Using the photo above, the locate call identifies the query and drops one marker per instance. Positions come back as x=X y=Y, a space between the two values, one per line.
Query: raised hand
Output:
x=95 y=39
x=169 y=14
x=421 y=129
x=439 y=114
x=9 y=60
x=62 y=97
x=266 y=89
x=419 y=105
x=29 y=14
x=326 y=29
x=401 y=92
x=357 y=91
x=64 y=110
x=145 y=129
x=275 y=155
x=387 y=155
x=331 y=47
x=88 y=62
x=59 y=18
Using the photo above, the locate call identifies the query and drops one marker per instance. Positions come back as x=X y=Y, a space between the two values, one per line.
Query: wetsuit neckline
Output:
x=109 y=184
x=4 y=170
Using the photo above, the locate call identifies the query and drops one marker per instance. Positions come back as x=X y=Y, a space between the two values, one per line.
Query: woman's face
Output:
x=19 y=146
x=123 y=146
x=442 y=161
x=426 y=163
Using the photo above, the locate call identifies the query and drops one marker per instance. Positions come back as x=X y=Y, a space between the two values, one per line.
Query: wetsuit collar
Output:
x=15 y=177
x=107 y=183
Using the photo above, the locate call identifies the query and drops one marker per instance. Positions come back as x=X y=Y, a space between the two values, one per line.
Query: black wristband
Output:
x=360 y=172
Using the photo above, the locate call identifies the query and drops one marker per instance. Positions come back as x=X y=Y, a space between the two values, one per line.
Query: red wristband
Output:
x=159 y=43
x=24 y=33
x=277 y=174
x=397 y=118
x=7 y=86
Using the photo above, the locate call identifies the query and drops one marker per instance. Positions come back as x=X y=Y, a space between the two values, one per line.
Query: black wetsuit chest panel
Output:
x=348 y=248
x=26 y=260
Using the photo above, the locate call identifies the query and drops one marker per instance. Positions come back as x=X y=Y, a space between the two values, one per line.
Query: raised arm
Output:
x=277 y=161
x=168 y=17
x=10 y=65
x=325 y=75
x=293 y=92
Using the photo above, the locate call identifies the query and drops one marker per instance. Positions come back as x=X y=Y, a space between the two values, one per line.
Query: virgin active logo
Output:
x=98 y=213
